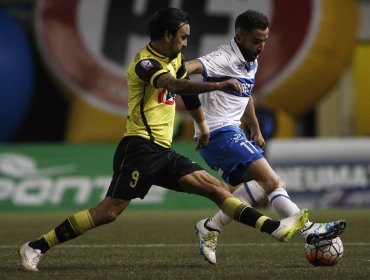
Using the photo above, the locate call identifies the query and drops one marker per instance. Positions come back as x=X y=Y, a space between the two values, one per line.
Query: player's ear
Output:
x=167 y=36
x=238 y=37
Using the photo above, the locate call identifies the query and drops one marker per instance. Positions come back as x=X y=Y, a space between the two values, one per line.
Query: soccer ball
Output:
x=325 y=253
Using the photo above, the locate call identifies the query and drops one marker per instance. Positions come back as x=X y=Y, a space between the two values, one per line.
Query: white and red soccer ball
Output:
x=325 y=253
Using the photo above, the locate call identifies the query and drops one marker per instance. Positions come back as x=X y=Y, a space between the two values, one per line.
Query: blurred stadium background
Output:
x=63 y=103
x=63 y=96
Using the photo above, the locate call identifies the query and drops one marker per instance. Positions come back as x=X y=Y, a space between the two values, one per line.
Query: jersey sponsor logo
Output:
x=237 y=137
x=247 y=89
x=166 y=97
x=147 y=65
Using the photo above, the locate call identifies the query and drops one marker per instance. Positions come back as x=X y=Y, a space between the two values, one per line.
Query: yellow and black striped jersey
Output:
x=151 y=110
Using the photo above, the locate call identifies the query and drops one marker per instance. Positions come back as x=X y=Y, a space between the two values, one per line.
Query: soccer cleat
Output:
x=290 y=225
x=316 y=232
x=207 y=240
x=30 y=257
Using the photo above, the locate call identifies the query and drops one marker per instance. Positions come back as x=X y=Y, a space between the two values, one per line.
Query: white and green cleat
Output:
x=290 y=225
x=30 y=257
x=207 y=240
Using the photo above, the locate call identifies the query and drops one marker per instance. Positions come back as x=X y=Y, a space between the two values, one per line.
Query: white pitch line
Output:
x=181 y=245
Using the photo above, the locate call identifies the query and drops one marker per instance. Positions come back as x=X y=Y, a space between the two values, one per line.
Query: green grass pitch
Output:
x=160 y=244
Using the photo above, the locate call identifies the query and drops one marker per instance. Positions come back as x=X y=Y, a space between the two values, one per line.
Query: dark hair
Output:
x=166 y=19
x=251 y=19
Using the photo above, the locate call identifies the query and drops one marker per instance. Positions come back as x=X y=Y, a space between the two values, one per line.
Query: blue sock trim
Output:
x=247 y=189
x=279 y=195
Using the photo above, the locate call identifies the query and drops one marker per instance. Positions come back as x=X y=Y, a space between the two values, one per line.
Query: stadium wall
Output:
x=326 y=172
x=319 y=173
x=73 y=176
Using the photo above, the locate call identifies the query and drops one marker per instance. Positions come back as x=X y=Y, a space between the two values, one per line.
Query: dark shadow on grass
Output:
x=294 y=266
x=124 y=266
x=13 y=269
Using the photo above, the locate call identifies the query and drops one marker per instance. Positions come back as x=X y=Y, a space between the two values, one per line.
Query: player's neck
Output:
x=159 y=47
x=241 y=49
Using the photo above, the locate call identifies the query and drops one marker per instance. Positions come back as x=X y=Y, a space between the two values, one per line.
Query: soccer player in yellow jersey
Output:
x=144 y=156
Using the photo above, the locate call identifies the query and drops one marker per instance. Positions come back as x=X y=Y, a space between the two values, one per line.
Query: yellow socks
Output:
x=245 y=214
x=70 y=228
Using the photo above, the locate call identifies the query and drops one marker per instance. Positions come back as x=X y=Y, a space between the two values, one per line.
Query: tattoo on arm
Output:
x=183 y=86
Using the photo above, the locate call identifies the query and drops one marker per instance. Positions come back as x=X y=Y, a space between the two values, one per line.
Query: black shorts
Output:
x=139 y=163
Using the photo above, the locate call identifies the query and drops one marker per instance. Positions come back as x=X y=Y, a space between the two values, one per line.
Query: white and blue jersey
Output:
x=223 y=108
x=229 y=151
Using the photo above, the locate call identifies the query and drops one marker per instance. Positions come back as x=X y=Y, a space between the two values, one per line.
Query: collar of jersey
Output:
x=151 y=50
x=237 y=51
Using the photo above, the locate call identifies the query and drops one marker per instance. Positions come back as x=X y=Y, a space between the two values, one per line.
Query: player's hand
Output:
x=202 y=141
x=258 y=139
x=232 y=85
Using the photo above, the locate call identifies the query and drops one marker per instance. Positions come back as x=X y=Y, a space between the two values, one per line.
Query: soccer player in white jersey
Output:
x=238 y=160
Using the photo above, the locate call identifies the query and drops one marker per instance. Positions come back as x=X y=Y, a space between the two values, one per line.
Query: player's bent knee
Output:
x=272 y=183
x=107 y=217
x=106 y=213
x=282 y=184
x=112 y=216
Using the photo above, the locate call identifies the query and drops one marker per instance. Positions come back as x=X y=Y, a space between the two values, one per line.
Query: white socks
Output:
x=282 y=205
